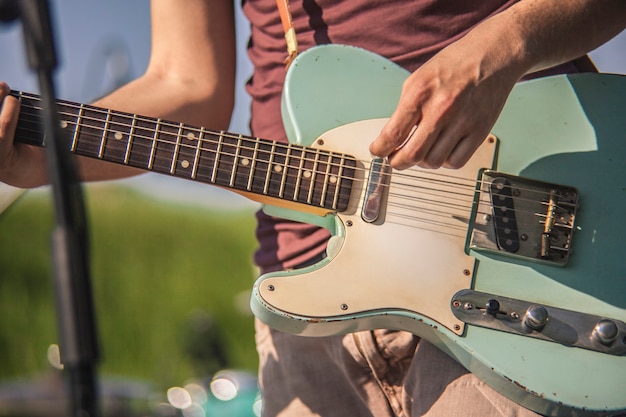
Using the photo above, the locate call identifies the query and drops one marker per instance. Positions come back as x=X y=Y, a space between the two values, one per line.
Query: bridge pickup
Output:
x=524 y=218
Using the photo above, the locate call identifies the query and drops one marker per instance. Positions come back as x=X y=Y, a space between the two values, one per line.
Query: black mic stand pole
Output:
x=78 y=342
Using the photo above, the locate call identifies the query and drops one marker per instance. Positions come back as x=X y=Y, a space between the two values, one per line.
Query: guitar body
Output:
x=404 y=269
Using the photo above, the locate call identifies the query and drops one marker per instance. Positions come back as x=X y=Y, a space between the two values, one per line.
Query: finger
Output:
x=415 y=148
x=442 y=146
x=463 y=151
x=4 y=88
x=396 y=131
x=8 y=118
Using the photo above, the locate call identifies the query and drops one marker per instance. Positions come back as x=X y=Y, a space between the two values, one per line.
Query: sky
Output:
x=102 y=43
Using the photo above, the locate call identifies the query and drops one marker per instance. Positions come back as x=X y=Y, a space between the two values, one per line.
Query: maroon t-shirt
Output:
x=407 y=32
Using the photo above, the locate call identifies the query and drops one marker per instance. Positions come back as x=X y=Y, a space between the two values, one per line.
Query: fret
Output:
x=166 y=152
x=283 y=180
x=325 y=181
x=269 y=169
x=89 y=141
x=81 y=110
x=338 y=183
x=309 y=198
x=196 y=159
x=218 y=150
x=300 y=174
x=344 y=182
x=253 y=165
x=129 y=142
x=176 y=149
x=155 y=138
x=139 y=154
x=113 y=144
x=107 y=120
x=184 y=151
x=235 y=162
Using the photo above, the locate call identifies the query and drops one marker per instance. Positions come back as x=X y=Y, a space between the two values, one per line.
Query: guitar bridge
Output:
x=524 y=218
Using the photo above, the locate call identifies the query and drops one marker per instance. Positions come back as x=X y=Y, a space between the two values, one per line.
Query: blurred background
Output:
x=171 y=280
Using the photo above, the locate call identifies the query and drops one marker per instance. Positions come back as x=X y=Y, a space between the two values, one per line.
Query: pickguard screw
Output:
x=456 y=304
x=349 y=223
x=467 y=272
x=344 y=307
x=270 y=287
x=320 y=142
x=457 y=327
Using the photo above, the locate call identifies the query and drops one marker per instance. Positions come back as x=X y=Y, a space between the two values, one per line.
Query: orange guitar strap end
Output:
x=290 y=32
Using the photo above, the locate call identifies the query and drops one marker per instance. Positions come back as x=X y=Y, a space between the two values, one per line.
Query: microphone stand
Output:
x=78 y=341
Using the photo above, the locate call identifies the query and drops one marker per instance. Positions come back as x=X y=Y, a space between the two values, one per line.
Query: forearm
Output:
x=159 y=97
x=451 y=102
x=537 y=34
x=190 y=77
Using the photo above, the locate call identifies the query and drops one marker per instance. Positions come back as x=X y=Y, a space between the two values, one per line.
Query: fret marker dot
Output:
x=245 y=162
x=63 y=124
x=333 y=179
x=278 y=168
x=307 y=174
x=185 y=164
x=118 y=135
x=191 y=136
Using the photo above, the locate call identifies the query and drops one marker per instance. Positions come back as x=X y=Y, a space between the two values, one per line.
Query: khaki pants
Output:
x=380 y=373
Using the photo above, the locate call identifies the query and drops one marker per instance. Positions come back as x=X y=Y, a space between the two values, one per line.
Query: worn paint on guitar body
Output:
x=402 y=270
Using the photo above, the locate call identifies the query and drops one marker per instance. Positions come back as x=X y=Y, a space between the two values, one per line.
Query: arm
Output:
x=456 y=97
x=190 y=78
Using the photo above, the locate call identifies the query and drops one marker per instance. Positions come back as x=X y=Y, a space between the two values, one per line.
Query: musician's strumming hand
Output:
x=20 y=165
x=449 y=105
x=446 y=109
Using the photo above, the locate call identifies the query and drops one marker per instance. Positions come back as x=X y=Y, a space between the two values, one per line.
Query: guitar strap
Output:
x=290 y=32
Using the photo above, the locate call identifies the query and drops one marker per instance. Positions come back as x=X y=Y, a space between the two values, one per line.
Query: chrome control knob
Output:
x=605 y=331
x=536 y=317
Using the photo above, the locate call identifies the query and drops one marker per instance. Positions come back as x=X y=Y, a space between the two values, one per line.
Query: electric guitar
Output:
x=513 y=265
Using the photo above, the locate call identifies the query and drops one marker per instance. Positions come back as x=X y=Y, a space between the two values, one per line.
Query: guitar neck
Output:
x=258 y=168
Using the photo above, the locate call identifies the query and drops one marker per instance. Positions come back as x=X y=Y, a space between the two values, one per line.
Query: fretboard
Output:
x=273 y=169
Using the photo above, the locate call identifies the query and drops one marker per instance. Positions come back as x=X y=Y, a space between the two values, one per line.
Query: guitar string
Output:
x=470 y=183
x=454 y=204
x=113 y=123
x=298 y=148
x=166 y=124
x=177 y=126
x=279 y=145
x=411 y=177
x=396 y=183
x=428 y=210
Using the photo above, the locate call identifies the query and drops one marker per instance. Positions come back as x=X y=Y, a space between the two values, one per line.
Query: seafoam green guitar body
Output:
x=404 y=271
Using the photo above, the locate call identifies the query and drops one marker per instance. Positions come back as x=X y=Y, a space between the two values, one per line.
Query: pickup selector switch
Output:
x=492 y=307
x=541 y=322
x=536 y=317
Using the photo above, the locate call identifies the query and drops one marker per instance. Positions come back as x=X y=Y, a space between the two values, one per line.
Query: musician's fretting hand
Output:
x=20 y=165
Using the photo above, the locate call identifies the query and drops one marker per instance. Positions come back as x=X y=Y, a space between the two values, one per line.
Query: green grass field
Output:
x=166 y=278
